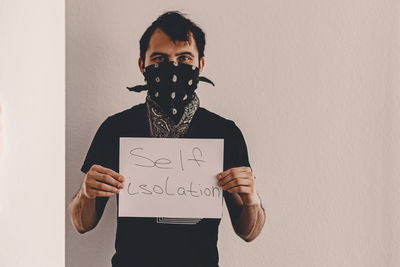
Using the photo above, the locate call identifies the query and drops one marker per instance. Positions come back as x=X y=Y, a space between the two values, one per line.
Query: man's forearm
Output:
x=251 y=221
x=82 y=211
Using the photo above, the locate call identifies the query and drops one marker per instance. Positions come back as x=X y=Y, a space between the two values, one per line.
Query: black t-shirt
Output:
x=141 y=241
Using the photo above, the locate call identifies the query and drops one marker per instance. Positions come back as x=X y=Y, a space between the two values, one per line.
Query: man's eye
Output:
x=158 y=59
x=184 y=58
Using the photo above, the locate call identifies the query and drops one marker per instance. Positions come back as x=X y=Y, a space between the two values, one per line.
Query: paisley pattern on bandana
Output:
x=161 y=125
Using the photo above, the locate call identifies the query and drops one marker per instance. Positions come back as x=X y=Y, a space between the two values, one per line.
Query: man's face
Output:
x=161 y=49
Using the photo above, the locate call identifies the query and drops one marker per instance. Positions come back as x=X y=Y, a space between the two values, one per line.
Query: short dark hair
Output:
x=177 y=27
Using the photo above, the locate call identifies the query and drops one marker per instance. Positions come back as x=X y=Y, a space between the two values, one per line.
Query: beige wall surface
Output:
x=314 y=87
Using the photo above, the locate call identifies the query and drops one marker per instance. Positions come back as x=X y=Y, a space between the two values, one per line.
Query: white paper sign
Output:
x=170 y=177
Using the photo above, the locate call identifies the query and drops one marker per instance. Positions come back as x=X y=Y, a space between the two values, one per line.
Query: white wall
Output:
x=32 y=134
x=314 y=87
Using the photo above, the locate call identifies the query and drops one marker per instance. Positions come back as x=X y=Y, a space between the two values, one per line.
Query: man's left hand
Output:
x=239 y=180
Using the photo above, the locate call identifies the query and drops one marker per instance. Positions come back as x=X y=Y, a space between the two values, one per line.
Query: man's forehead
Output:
x=161 y=42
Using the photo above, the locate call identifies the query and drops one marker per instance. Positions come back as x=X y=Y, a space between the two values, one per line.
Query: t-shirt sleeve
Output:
x=236 y=154
x=102 y=150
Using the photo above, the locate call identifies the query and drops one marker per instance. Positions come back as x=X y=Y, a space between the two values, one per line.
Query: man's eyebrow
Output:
x=165 y=55
x=157 y=54
x=185 y=53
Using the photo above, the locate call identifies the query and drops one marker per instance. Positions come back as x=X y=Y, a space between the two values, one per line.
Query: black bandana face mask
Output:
x=171 y=85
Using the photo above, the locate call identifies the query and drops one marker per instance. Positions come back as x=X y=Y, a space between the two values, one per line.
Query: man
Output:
x=171 y=58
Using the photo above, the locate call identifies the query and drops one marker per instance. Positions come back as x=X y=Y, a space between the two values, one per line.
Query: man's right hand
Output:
x=101 y=181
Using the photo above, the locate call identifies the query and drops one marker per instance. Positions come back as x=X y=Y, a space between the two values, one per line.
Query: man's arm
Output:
x=238 y=182
x=82 y=212
x=244 y=204
x=247 y=219
x=99 y=184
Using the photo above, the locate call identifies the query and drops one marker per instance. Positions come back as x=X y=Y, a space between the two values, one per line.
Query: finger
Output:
x=234 y=170
x=245 y=172
x=224 y=178
x=230 y=178
x=101 y=193
x=103 y=186
x=240 y=189
x=237 y=182
x=110 y=172
x=234 y=175
x=223 y=174
x=108 y=179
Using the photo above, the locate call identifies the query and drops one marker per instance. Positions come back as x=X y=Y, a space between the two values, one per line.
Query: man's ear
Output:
x=140 y=63
x=201 y=66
